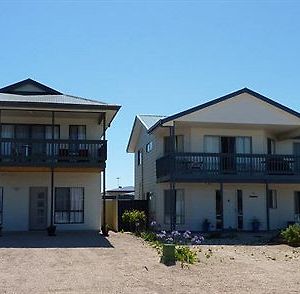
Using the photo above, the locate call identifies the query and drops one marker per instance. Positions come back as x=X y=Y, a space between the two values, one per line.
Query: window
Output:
x=179 y=144
x=219 y=210
x=1 y=205
x=239 y=194
x=271 y=146
x=297 y=206
x=169 y=204
x=139 y=157
x=152 y=205
x=149 y=147
x=77 y=132
x=211 y=144
x=272 y=199
x=243 y=145
x=69 y=205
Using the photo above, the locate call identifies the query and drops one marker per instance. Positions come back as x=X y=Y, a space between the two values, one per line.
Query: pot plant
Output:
x=255 y=225
x=51 y=230
x=205 y=225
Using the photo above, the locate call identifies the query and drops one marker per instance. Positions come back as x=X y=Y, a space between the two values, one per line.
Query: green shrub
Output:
x=292 y=235
x=185 y=254
x=149 y=236
x=135 y=219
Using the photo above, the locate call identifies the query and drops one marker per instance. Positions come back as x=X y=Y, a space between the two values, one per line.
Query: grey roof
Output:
x=150 y=120
x=57 y=99
x=122 y=189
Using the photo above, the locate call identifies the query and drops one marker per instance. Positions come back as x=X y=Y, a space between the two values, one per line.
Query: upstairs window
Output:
x=179 y=144
x=149 y=147
x=77 y=132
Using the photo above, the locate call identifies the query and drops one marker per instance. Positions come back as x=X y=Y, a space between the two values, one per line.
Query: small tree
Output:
x=135 y=219
x=292 y=235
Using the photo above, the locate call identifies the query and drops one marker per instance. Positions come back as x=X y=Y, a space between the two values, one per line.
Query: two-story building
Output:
x=53 y=153
x=232 y=162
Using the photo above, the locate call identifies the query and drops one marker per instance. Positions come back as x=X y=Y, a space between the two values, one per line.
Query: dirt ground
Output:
x=87 y=263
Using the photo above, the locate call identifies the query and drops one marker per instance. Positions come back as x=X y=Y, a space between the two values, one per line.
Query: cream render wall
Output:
x=93 y=129
x=16 y=198
x=237 y=110
x=200 y=197
x=200 y=203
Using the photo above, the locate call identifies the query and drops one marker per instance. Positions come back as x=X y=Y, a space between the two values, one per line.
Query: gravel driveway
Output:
x=88 y=263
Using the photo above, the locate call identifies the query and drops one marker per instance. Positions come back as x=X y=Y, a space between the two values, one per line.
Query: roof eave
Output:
x=41 y=105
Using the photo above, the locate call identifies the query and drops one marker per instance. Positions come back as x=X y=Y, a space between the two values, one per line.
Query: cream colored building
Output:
x=233 y=161
x=53 y=154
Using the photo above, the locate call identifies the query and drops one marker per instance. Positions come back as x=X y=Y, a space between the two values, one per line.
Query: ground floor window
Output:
x=297 y=206
x=169 y=204
x=1 y=205
x=240 y=216
x=272 y=197
x=152 y=206
x=219 y=210
x=69 y=205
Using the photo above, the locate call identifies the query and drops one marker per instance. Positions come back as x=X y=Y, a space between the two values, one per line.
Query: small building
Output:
x=121 y=193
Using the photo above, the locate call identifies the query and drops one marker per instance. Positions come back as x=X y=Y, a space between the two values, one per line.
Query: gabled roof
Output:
x=32 y=95
x=142 y=120
x=36 y=88
x=222 y=99
x=149 y=120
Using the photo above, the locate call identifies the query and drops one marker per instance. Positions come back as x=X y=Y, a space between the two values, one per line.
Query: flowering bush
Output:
x=180 y=238
x=134 y=219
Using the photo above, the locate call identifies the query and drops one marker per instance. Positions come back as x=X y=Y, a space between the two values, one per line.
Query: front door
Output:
x=229 y=209
x=38 y=208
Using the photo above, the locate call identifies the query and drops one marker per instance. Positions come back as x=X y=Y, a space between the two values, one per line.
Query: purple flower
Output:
x=153 y=223
x=169 y=240
x=175 y=234
x=187 y=235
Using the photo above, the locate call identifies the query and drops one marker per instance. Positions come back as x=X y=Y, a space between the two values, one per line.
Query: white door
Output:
x=229 y=209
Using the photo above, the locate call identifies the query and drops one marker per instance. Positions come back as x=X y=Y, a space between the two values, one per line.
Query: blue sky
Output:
x=152 y=57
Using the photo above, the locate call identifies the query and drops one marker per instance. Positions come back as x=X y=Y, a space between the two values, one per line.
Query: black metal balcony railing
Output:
x=228 y=167
x=27 y=152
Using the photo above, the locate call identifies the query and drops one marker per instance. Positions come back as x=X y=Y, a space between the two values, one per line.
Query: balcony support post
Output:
x=52 y=170
x=103 y=227
x=267 y=206
x=172 y=179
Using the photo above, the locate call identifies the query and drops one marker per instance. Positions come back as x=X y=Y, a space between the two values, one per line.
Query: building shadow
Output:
x=87 y=239
x=241 y=238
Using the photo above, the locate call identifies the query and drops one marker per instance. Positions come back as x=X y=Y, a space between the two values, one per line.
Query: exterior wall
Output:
x=145 y=174
x=200 y=197
x=237 y=109
x=16 y=198
x=93 y=129
x=200 y=204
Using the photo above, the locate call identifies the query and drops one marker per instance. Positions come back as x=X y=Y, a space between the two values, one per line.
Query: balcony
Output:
x=52 y=153
x=216 y=167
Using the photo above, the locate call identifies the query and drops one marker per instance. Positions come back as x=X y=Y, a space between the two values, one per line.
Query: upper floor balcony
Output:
x=52 y=153
x=220 y=167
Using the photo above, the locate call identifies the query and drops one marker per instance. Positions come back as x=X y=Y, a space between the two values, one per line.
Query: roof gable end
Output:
x=29 y=87
x=243 y=94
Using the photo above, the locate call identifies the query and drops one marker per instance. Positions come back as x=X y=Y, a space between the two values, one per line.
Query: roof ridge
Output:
x=85 y=99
